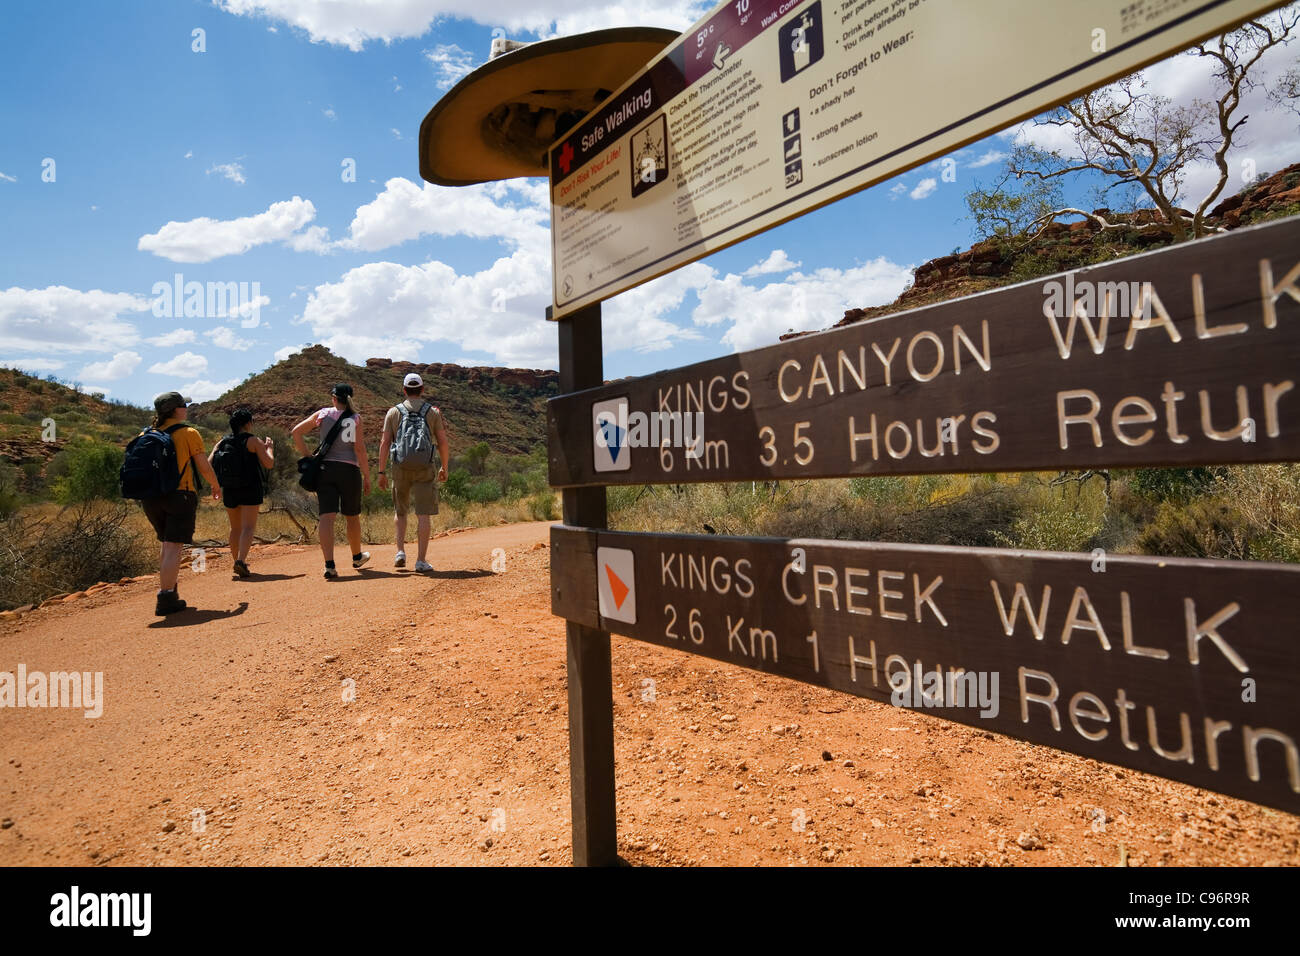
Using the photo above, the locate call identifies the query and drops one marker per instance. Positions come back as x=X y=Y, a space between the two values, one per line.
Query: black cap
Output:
x=168 y=402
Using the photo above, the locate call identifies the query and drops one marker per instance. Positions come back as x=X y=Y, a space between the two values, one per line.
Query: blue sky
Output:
x=226 y=166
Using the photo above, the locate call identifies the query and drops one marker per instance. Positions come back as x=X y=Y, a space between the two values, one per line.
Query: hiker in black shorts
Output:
x=345 y=473
x=238 y=460
x=171 y=509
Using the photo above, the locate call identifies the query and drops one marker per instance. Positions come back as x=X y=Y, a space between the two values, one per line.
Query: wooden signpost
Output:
x=1187 y=355
x=1185 y=669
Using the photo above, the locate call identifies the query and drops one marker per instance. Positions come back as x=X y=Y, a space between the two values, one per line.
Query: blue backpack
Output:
x=149 y=469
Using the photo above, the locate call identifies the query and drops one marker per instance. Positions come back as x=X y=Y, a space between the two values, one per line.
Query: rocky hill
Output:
x=38 y=416
x=1063 y=246
x=505 y=407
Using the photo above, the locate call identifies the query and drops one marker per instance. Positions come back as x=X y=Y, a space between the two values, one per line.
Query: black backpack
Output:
x=149 y=469
x=232 y=462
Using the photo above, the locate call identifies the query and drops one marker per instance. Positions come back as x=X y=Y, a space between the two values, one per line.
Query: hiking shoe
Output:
x=241 y=569
x=168 y=603
x=399 y=559
x=423 y=566
x=365 y=556
x=331 y=572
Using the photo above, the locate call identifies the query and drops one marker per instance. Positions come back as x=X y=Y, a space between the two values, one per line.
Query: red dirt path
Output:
x=455 y=750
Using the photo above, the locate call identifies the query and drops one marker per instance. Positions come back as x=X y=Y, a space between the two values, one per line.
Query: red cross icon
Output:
x=566 y=158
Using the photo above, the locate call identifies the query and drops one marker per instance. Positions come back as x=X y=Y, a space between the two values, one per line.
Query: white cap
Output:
x=412 y=381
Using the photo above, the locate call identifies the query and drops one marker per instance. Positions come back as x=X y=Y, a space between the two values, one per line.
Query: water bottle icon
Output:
x=801 y=48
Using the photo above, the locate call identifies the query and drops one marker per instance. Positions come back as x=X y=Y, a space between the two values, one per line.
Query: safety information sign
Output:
x=766 y=109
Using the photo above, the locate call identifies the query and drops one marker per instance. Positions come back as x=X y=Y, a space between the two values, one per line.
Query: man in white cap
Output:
x=412 y=429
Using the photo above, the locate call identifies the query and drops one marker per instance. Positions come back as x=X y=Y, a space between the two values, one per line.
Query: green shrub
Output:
x=1055 y=529
x=542 y=506
x=120 y=414
x=9 y=493
x=86 y=471
x=475 y=457
x=1205 y=528
x=1173 y=484
x=484 y=490
x=457 y=484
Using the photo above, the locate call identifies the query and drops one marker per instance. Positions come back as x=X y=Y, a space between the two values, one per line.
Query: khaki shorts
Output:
x=421 y=484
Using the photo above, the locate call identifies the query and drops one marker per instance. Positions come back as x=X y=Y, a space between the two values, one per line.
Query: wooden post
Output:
x=591 y=694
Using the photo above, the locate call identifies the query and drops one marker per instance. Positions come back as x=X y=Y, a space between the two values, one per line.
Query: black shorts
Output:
x=172 y=516
x=339 y=489
x=237 y=497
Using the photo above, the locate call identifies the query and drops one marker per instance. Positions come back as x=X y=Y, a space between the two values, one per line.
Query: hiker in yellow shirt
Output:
x=172 y=515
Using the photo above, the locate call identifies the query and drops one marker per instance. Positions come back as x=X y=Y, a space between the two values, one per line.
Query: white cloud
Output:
x=204 y=239
x=60 y=319
x=353 y=23
x=284 y=353
x=189 y=154
x=225 y=338
x=924 y=188
x=174 y=337
x=897 y=190
x=636 y=319
x=32 y=364
x=8 y=179
x=778 y=261
x=801 y=302
x=450 y=63
x=386 y=309
x=182 y=366
x=232 y=171
x=311 y=239
x=406 y=211
x=329 y=114
x=988 y=158
x=397 y=133
x=250 y=313
x=119 y=366
x=204 y=391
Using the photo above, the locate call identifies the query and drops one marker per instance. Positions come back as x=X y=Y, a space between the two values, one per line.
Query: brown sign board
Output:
x=1186 y=355
x=1181 y=668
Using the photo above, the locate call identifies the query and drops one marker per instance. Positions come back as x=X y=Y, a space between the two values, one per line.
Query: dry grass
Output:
x=47 y=550
x=1248 y=512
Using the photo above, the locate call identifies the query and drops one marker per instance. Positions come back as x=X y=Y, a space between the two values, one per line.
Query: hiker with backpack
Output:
x=240 y=461
x=161 y=470
x=410 y=430
x=339 y=471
